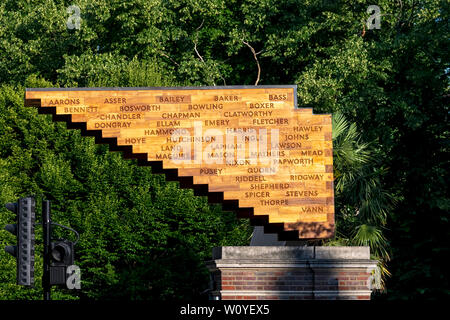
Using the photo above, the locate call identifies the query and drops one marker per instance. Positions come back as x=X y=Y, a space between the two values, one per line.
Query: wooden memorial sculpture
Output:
x=247 y=147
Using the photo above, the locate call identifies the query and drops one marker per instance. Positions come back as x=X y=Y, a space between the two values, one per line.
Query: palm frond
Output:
x=363 y=203
x=340 y=125
x=372 y=236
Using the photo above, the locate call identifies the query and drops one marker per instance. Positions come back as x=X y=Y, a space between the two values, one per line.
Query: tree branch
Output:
x=196 y=39
x=165 y=55
x=256 y=59
x=200 y=26
x=196 y=50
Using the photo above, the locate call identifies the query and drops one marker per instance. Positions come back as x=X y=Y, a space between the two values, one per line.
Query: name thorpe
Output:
x=233 y=309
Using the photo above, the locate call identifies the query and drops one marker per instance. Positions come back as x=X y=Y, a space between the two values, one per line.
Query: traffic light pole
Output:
x=58 y=266
x=46 y=225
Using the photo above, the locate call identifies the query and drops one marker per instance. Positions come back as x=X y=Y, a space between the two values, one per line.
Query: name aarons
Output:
x=67 y=101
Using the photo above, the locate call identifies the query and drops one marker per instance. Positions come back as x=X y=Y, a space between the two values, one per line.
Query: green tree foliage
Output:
x=362 y=205
x=140 y=237
x=392 y=83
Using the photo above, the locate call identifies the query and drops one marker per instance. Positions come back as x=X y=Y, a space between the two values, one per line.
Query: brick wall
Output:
x=311 y=273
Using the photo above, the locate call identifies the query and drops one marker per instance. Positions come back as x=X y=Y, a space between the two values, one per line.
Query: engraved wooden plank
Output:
x=246 y=145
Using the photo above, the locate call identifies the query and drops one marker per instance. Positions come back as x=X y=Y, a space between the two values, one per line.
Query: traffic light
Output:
x=61 y=257
x=58 y=257
x=23 y=229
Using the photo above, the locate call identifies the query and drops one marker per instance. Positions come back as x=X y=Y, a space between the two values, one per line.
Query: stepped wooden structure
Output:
x=247 y=147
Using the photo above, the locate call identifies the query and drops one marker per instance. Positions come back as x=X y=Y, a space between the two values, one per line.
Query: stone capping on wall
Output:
x=291 y=253
x=280 y=272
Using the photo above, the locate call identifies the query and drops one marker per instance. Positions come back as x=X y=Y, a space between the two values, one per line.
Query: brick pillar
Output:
x=295 y=273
